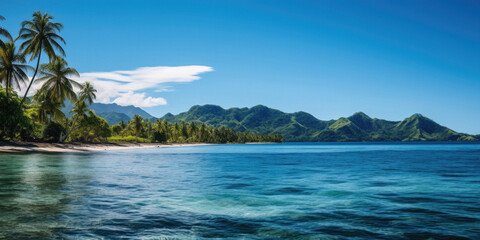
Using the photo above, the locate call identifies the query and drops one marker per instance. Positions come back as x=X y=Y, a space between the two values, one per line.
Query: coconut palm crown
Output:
x=56 y=81
x=40 y=35
x=12 y=67
x=5 y=33
x=88 y=92
x=137 y=122
x=47 y=109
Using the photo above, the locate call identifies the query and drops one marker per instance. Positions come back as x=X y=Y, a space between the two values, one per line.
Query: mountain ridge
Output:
x=302 y=126
x=111 y=112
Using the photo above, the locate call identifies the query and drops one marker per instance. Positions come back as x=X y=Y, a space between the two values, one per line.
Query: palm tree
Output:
x=80 y=110
x=40 y=35
x=5 y=33
x=56 y=81
x=88 y=92
x=12 y=67
x=47 y=108
x=137 y=122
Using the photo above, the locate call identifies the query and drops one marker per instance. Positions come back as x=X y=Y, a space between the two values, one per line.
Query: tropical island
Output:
x=40 y=118
x=62 y=109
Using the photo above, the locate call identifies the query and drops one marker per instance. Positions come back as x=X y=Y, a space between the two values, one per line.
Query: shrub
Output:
x=130 y=139
x=12 y=117
x=159 y=137
x=91 y=128
x=52 y=131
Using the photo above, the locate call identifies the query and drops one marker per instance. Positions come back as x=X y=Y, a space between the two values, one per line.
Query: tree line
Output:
x=40 y=117
x=165 y=132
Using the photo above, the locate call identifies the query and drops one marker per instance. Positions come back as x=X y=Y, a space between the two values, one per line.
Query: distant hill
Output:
x=114 y=117
x=301 y=126
x=112 y=112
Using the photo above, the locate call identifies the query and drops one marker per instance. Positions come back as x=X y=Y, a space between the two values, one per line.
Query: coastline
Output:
x=39 y=147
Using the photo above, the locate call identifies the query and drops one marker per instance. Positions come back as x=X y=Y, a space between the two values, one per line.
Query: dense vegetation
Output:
x=40 y=118
x=301 y=126
x=165 y=132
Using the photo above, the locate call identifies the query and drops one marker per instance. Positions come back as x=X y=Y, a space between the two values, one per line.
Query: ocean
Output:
x=245 y=191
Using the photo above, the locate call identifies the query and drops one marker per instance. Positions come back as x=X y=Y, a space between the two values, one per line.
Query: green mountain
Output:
x=112 y=112
x=301 y=126
x=114 y=117
x=130 y=111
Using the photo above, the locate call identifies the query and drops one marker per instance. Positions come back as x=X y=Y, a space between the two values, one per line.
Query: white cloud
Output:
x=129 y=87
x=139 y=100
x=23 y=88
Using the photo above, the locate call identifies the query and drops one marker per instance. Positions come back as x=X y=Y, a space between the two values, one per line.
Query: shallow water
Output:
x=258 y=191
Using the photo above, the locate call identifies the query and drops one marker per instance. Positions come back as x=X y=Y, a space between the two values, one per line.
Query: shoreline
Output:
x=39 y=147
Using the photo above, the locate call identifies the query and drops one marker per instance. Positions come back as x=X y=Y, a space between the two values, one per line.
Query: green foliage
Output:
x=14 y=122
x=52 y=131
x=90 y=128
x=40 y=35
x=117 y=129
x=164 y=132
x=47 y=108
x=130 y=139
x=12 y=67
x=88 y=92
x=57 y=85
x=159 y=136
x=137 y=125
x=4 y=33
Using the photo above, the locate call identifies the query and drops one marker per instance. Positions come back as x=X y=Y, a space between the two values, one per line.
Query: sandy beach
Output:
x=35 y=147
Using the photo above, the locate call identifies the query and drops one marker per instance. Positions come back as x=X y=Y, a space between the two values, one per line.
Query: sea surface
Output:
x=245 y=191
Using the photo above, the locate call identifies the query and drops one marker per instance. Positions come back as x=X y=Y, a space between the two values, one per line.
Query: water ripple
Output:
x=271 y=191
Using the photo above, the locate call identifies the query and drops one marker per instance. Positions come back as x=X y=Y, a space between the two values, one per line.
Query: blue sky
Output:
x=389 y=59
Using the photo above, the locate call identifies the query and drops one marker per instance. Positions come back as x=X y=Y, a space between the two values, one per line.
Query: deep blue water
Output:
x=257 y=191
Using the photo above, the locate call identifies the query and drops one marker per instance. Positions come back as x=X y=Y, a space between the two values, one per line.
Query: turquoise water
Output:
x=258 y=191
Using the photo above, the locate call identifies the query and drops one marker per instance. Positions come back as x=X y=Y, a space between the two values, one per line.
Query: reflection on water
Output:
x=36 y=191
x=278 y=191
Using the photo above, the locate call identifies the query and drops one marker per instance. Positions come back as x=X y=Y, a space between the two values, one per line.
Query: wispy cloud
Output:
x=130 y=87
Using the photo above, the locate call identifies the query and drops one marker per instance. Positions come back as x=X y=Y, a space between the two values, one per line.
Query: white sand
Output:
x=26 y=147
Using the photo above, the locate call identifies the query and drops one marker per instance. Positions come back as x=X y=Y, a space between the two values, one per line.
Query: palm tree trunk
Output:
x=9 y=77
x=69 y=130
x=33 y=78
x=5 y=106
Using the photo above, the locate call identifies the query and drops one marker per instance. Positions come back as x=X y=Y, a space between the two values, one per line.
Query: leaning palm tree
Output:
x=40 y=35
x=12 y=67
x=5 y=33
x=80 y=110
x=56 y=81
x=88 y=92
x=48 y=108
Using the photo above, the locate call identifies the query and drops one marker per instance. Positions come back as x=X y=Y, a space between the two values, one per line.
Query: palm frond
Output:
x=57 y=46
x=4 y=32
x=12 y=69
